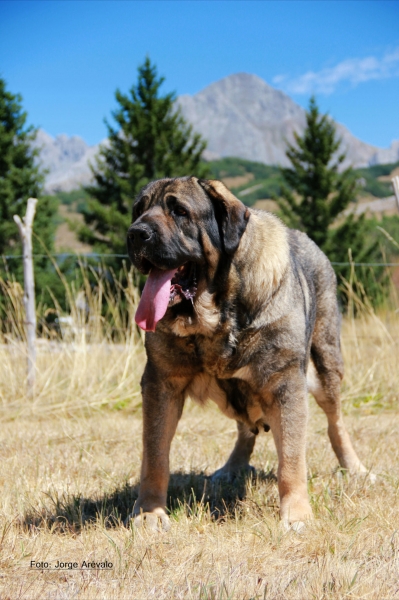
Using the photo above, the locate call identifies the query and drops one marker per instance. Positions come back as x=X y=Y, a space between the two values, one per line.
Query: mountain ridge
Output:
x=240 y=115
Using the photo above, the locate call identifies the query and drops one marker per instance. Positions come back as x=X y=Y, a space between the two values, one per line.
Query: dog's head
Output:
x=181 y=229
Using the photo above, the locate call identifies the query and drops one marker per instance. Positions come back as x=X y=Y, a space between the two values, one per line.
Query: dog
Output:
x=240 y=310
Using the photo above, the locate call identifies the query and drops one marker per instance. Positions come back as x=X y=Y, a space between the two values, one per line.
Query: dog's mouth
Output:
x=183 y=284
x=165 y=288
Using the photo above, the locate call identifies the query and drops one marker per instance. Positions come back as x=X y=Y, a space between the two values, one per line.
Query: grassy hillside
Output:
x=72 y=206
x=376 y=180
x=252 y=181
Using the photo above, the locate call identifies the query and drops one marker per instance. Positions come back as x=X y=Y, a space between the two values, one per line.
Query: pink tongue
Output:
x=154 y=299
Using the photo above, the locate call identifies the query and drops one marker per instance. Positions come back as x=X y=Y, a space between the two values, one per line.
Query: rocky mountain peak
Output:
x=66 y=159
x=252 y=96
x=239 y=115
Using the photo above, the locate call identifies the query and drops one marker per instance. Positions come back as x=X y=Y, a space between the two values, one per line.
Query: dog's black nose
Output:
x=139 y=233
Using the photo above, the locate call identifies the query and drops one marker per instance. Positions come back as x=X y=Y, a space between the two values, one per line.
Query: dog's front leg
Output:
x=163 y=402
x=288 y=420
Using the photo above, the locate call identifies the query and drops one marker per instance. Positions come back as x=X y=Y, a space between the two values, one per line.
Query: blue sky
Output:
x=68 y=58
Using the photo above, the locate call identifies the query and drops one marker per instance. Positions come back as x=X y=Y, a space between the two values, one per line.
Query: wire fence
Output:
x=67 y=255
x=95 y=255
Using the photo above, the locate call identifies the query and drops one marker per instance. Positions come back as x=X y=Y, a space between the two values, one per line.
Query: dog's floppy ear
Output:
x=231 y=214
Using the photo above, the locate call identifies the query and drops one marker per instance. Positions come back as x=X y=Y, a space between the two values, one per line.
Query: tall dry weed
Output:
x=88 y=356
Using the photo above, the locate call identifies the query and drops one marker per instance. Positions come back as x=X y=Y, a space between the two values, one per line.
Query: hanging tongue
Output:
x=154 y=299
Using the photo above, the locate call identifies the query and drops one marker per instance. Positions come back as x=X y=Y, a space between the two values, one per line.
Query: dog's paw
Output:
x=296 y=526
x=361 y=472
x=372 y=477
x=153 y=521
x=229 y=474
x=295 y=512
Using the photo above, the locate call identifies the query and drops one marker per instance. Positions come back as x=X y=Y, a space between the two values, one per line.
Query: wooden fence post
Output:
x=395 y=183
x=25 y=231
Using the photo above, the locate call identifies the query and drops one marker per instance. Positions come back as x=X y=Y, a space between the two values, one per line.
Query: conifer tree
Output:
x=21 y=178
x=150 y=140
x=317 y=191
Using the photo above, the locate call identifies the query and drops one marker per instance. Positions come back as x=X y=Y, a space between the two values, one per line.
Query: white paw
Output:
x=297 y=526
x=153 y=521
x=359 y=471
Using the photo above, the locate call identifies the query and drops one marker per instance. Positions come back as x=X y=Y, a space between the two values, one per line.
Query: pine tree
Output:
x=21 y=178
x=150 y=140
x=317 y=191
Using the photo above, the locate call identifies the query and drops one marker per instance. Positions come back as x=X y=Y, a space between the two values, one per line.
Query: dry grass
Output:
x=92 y=358
x=238 y=180
x=69 y=471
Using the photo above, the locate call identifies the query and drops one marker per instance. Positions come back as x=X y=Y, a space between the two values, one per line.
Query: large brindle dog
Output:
x=240 y=310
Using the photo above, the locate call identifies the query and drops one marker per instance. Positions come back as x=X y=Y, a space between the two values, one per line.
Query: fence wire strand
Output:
x=95 y=255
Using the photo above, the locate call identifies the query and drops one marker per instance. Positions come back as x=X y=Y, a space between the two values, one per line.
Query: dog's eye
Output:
x=138 y=211
x=180 y=211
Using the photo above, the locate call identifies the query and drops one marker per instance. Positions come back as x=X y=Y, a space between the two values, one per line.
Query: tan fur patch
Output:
x=206 y=318
x=182 y=326
x=265 y=245
x=207 y=313
x=255 y=414
x=312 y=380
x=204 y=387
x=244 y=373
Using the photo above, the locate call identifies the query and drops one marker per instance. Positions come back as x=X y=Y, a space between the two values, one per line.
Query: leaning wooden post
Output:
x=395 y=183
x=25 y=231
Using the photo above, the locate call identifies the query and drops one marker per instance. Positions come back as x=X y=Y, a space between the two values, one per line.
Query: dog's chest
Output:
x=220 y=382
x=217 y=355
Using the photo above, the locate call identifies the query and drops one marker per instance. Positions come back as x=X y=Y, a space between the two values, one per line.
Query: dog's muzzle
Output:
x=139 y=234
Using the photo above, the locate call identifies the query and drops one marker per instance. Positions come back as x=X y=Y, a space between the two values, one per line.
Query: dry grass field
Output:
x=69 y=472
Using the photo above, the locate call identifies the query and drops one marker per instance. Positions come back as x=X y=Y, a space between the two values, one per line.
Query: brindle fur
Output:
x=265 y=316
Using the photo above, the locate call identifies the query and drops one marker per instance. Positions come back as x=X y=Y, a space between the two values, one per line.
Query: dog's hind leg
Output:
x=324 y=377
x=238 y=461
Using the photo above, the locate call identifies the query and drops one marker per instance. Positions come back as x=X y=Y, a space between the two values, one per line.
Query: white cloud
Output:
x=352 y=70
